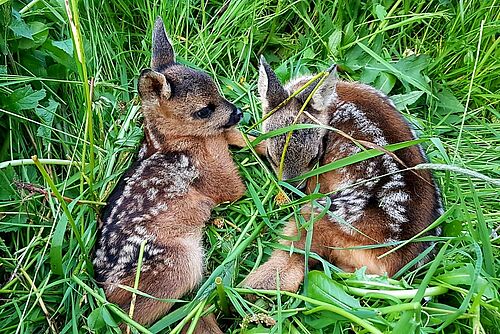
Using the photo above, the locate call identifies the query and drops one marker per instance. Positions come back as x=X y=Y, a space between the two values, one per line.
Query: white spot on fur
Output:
x=142 y=151
x=392 y=197
x=154 y=140
x=141 y=230
x=151 y=193
x=135 y=239
x=155 y=210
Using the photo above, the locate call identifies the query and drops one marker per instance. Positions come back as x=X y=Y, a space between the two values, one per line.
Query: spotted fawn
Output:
x=371 y=202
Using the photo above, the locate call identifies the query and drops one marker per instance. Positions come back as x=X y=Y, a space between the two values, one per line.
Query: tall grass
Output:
x=68 y=75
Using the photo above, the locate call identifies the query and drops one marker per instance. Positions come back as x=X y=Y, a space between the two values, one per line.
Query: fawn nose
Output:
x=234 y=118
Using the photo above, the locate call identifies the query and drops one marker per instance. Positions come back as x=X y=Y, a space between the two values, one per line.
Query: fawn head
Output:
x=306 y=146
x=184 y=100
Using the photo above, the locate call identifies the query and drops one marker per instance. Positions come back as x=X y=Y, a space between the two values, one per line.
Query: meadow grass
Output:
x=68 y=75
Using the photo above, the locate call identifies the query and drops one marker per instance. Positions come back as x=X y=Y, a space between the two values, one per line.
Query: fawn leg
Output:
x=289 y=267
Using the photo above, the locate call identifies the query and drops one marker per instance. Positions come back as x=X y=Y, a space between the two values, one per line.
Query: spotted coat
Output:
x=143 y=193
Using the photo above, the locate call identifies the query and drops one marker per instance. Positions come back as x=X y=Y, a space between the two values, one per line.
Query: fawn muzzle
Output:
x=234 y=119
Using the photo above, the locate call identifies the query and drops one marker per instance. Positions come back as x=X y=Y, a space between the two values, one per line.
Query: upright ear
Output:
x=153 y=86
x=271 y=91
x=326 y=94
x=163 y=52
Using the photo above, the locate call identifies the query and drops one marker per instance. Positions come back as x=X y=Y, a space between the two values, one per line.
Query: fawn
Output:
x=371 y=202
x=184 y=169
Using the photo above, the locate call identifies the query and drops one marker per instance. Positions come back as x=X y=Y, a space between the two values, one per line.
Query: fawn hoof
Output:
x=268 y=280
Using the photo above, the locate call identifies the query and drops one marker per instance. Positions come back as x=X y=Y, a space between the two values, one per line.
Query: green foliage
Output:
x=439 y=61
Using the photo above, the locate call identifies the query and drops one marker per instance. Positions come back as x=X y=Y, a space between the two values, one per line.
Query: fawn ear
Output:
x=153 y=86
x=271 y=91
x=163 y=52
x=326 y=94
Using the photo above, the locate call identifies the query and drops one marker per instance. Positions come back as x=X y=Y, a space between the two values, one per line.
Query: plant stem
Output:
x=136 y=281
x=222 y=296
x=62 y=202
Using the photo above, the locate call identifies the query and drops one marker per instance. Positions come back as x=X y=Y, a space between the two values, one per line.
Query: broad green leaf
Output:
x=323 y=319
x=309 y=54
x=463 y=275
x=349 y=34
x=39 y=33
x=95 y=320
x=385 y=82
x=66 y=46
x=7 y=191
x=403 y=100
x=20 y=28
x=61 y=52
x=356 y=59
x=334 y=42
x=407 y=70
x=353 y=8
x=448 y=103
x=35 y=60
x=453 y=228
x=46 y=114
x=24 y=98
x=323 y=288
x=108 y=318
x=283 y=71
x=55 y=254
x=369 y=75
x=448 y=107
x=380 y=11
x=412 y=68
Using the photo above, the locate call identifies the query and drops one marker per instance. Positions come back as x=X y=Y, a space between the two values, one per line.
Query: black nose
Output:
x=235 y=117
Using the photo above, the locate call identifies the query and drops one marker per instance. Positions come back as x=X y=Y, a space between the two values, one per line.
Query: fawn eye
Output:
x=205 y=112
x=313 y=162
x=315 y=159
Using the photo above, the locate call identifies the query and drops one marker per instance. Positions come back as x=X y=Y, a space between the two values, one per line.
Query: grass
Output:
x=68 y=95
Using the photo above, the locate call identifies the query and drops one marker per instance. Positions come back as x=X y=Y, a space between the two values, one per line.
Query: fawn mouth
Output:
x=234 y=119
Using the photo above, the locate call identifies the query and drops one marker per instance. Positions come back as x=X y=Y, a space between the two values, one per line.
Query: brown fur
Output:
x=183 y=170
x=365 y=114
